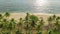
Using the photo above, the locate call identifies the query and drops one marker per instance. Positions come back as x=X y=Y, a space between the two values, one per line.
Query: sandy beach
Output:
x=17 y=16
x=22 y=15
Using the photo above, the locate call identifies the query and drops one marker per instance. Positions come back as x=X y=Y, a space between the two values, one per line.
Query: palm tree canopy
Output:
x=27 y=16
x=34 y=18
x=0 y=16
x=7 y=14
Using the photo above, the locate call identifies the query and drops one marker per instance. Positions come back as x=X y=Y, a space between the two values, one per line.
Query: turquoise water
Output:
x=34 y=6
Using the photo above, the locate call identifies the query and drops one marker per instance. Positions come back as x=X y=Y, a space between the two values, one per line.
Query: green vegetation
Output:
x=30 y=25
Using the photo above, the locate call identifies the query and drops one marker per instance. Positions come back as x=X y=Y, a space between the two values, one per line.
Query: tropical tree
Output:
x=18 y=32
x=52 y=18
x=51 y=21
x=1 y=24
x=27 y=16
x=5 y=23
x=39 y=32
x=50 y=32
x=6 y=14
x=27 y=22
x=11 y=24
x=20 y=22
x=57 y=24
x=34 y=20
x=39 y=26
x=1 y=17
x=7 y=32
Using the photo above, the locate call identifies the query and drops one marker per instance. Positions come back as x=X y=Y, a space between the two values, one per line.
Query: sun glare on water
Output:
x=40 y=2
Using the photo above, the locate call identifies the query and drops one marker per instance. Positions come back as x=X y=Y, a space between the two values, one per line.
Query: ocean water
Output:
x=34 y=6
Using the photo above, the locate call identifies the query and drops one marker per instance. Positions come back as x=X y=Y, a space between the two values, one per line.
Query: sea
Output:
x=31 y=6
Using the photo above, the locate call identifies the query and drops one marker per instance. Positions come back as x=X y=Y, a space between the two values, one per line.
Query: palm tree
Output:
x=7 y=32
x=4 y=23
x=1 y=17
x=20 y=22
x=1 y=24
x=50 y=32
x=27 y=16
x=39 y=26
x=34 y=20
x=28 y=32
x=57 y=24
x=6 y=14
x=18 y=32
x=39 y=32
x=11 y=24
x=27 y=22
x=52 y=20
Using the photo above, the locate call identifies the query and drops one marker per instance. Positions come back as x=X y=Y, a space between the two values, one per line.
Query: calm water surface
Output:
x=35 y=6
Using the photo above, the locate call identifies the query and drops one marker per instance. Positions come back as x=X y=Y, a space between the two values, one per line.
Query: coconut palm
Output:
x=34 y=20
x=57 y=24
x=39 y=26
x=6 y=14
x=28 y=32
x=1 y=17
x=7 y=32
x=51 y=21
x=27 y=23
x=18 y=32
x=11 y=24
x=27 y=16
x=4 y=23
x=1 y=24
x=39 y=32
x=50 y=32
x=52 y=18
x=20 y=22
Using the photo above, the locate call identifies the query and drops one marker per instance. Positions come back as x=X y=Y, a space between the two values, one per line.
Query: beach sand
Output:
x=17 y=16
x=22 y=15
